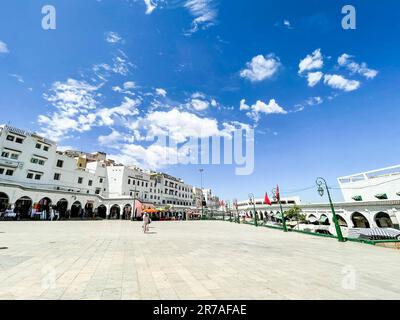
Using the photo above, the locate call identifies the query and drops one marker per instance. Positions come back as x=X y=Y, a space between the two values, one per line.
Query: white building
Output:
x=34 y=174
x=380 y=184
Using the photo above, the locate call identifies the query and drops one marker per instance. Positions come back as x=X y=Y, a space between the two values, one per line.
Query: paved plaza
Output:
x=187 y=260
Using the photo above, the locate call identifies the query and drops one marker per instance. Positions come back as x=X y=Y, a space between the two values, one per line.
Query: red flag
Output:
x=278 y=196
x=266 y=199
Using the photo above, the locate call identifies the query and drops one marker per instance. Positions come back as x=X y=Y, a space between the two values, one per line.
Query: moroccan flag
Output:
x=266 y=199
x=278 y=196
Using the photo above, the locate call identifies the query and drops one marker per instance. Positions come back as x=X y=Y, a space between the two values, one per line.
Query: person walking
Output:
x=146 y=222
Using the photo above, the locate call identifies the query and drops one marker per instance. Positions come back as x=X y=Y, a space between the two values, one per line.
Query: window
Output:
x=38 y=176
x=46 y=148
x=41 y=162
x=34 y=160
x=14 y=156
x=10 y=138
x=29 y=175
x=101 y=180
x=57 y=176
x=80 y=180
x=90 y=183
x=382 y=196
x=97 y=191
x=1 y=170
x=129 y=181
x=38 y=146
x=60 y=163
x=9 y=172
x=19 y=140
x=5 y=154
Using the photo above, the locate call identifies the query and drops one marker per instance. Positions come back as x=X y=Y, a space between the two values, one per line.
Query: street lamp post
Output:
x=237 y=210
x=251 y=198
x=134 y=204
x=230 y=212
x=201 y=186
x=278 y=198
x=321 y=183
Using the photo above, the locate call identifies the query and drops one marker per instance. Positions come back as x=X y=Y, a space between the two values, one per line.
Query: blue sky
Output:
x=323 y=100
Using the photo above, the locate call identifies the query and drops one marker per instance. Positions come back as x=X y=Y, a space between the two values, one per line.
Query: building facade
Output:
x=33 y=174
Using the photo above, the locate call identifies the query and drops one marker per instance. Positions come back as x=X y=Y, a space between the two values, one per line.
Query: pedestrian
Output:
x=146 y=222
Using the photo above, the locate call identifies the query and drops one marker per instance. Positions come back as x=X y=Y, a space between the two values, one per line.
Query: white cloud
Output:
x=311 y=62
x=204 y=13
x=150 y=6
x=261 y=68
x=270 y=108
x=243 y=105
x=261 y=107
x=347 y=61
x=161 y=92
x=314 y=77
x=178 y=125
x=338 y=82
x=287 y=24
x=76 y=109
x=113 y=37
x=127 y=108
x=112 y=138
x=199 y=105
x=3 y=47
x=314 y=101
x=18 y=77
x=129 y=85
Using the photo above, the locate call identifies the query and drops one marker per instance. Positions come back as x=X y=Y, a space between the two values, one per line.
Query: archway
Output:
x=4 y=201
x=102 y=211
x=312 y=219
x=383 y=220
x=76 y=209
x=342 y=222
x=115 y=212
x=359 y=220
x=62 y=207
x=23 y=207
x=127 y=213
x=324 y=220
x=89 y=209
x=44 y=205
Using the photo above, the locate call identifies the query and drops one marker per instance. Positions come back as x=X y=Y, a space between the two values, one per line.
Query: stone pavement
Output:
x=187 y=260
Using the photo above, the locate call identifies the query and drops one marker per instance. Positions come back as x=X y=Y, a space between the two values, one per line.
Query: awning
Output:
x=357 y=198
x=323 y=219
x=382 y=196
x=374 y=233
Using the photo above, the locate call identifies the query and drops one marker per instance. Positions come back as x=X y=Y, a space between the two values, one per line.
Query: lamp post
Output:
x=278 y=198
x=230 y=212
x=134 y=204
x=321 y=183
x=201 y=186
x=237 y=210
x=251 y=198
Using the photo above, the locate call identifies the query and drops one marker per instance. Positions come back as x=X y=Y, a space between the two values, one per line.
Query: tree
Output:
x=295 y=213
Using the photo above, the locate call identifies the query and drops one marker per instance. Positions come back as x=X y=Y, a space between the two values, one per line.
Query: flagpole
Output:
x=277 y=196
